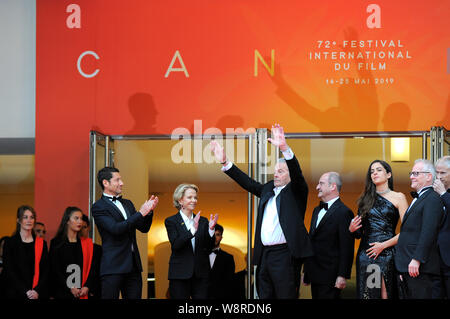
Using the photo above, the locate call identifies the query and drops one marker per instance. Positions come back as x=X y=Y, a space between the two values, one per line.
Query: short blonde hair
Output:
x=179 y=193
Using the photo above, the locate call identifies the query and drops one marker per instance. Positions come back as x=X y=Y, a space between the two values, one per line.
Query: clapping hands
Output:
x=212 y=220
x=149 y=205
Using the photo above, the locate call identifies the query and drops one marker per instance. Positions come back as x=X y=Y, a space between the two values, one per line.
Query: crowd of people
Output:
x=411 y=264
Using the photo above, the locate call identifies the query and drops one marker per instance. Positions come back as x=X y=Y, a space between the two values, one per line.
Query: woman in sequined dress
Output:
x=379 y=209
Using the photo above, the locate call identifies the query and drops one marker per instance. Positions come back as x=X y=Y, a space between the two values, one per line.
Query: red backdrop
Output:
x=394 y=76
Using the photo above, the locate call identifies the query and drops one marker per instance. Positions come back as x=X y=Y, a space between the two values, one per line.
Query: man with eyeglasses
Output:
x=442 y=186
x=417 y=257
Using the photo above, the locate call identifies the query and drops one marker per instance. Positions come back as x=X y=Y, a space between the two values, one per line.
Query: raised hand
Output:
x=439 y=187
x=218 y=151
x=196 y=220
x=278 y=138
x=213 y=221
x=149 y=205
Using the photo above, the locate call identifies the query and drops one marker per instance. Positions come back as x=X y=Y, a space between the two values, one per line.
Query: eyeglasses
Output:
x=415 y=174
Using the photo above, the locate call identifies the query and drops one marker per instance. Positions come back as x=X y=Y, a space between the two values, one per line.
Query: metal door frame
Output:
x=97 y=138
x=439 y=143
x=257 y=164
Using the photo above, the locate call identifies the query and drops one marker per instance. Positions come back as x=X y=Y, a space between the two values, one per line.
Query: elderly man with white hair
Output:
x=417 y=256
x=442 y=186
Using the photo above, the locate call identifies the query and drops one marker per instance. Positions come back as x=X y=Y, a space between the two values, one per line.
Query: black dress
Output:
x=377 y=226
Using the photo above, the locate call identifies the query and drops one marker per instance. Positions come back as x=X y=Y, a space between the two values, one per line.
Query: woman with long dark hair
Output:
x=25 y=259
x=379 y=209
x=72 y=259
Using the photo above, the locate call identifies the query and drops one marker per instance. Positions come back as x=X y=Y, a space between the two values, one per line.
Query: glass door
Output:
x=156 y=164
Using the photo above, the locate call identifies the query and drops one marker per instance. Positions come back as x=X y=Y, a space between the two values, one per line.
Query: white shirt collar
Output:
x=331 y=201
x=420 y=191
x=278 y=189
x=185 y=218
x=110 y=196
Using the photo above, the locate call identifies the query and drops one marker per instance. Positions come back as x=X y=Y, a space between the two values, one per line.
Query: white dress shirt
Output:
x=212 y=257
x=322 y=212
x=271 y=232
x=189 y=222
x=118 y=205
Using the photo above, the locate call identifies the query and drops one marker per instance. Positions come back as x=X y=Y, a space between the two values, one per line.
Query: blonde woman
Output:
x=191 y=238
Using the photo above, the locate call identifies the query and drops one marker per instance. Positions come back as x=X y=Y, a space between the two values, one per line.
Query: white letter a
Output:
x=374 y=20
x=171 y=68
x=74 y=20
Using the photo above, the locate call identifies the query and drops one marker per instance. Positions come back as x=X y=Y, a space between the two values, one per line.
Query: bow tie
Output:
x=215 y=251
x=416 y=194
x=114 y=198
x=323 y=205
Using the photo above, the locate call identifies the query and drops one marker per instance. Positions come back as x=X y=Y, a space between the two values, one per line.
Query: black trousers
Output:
x=441 y=284
x=129 y=284
x=325 y=292
x=420 y=287
x=278 y=273
x=195 y=288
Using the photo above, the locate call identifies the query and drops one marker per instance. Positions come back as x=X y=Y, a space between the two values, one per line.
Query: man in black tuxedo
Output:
x=117 y=221
x=221 y=280
x=333 y=245
x=417 y=257
x=281 y=239
x=442 y=186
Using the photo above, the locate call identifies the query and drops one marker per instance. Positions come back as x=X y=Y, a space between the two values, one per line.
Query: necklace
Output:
x=383 y=192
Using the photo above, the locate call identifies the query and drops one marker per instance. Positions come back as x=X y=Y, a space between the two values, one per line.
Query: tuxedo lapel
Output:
x=314 y=220
x=110 y=204
x=180 y=222
x=416 y=203
x=278 y=202
x=262 y=204
x=126 y=207
x=217 y=260
x=265 y=198
x=329 y=212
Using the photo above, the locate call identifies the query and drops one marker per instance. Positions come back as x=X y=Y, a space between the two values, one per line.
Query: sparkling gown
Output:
x=377 y=226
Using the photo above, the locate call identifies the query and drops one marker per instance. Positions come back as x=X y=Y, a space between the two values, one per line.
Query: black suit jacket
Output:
x=418 y=234
x=444 y=232
x=19 y=269
x=291 y=206
x=184 y=261
x=333 y=245
x=222 y=276
x=118 y=235
x=63 y=254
